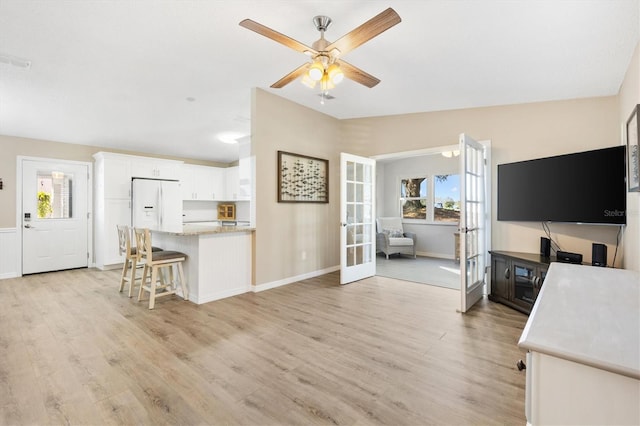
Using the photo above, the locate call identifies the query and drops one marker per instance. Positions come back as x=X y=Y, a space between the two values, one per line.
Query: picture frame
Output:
x=633 y=154
x=302 y=179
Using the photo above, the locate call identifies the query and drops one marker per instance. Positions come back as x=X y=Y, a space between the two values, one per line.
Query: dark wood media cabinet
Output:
x=516 y=278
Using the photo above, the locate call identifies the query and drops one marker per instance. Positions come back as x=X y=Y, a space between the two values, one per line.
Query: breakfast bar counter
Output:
x=219 y=258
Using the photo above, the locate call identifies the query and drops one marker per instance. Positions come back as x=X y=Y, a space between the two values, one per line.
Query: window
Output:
x=54 y=195
x=446 y=207
x=435 y=199
x=413 y=198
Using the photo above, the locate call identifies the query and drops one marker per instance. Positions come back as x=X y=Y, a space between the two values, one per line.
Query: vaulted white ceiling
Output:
x=167 y=76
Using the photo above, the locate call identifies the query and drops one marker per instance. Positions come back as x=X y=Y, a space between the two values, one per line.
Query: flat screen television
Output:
x=584 y=187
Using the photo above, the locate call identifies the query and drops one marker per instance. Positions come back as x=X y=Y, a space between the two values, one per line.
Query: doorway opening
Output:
x=422 y=189
x=451 y=245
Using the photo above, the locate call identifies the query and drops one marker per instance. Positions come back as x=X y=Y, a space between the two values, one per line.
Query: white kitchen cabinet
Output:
x=155 y=168
x=112 y=197
x=202 y=183
x=237 y=187
x=117 y=212
x=232 y=183
x=113 y=175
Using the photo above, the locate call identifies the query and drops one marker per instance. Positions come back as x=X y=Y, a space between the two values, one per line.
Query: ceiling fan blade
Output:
x=291 y=76
x=365 y=32
x=357 y=75
x=276 y=36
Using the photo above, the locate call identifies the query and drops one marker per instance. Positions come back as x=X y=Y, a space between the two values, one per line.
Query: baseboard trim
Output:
x=291 y=280
x=434 y=255
x=8 y=275
x=9 y=260
x=217 y=295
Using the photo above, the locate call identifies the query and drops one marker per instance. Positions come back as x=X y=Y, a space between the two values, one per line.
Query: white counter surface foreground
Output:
x=589 y=315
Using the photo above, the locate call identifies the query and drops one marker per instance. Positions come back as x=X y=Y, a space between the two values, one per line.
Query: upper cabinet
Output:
x=202 y=183
x=237 y=186
x=212 y=183
x=114 y=172
x=232 y=183
x=155 y=168
x=113 y=175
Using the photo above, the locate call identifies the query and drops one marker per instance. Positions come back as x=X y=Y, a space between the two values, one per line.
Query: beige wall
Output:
x=292 y=239
x=628 y=99
x=11 y=147
x=517 y=132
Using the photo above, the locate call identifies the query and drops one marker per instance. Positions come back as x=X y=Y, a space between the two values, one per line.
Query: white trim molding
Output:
x=291 y=280
x=8 y=253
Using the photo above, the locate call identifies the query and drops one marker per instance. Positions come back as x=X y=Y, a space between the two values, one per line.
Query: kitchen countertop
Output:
x=590 y=315
x=191 y=229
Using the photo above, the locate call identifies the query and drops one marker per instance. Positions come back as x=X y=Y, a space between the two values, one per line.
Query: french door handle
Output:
x=28 y=226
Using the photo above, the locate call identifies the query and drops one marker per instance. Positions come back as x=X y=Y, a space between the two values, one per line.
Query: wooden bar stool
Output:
x=131 y=263
x=154 y=264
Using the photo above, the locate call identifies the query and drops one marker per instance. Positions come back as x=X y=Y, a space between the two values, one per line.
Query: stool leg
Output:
x=152 y=291
x=132 y=279
x=143 y=281
x=183 y=284
x=124 y=274
x=171 y=278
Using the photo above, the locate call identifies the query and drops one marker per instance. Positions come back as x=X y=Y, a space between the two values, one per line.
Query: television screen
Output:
x=584 y=187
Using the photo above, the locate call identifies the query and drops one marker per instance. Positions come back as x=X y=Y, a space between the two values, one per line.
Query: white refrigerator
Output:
x=156 y=204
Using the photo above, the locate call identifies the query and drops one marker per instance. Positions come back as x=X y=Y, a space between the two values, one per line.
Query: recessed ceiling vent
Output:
x=14 y=61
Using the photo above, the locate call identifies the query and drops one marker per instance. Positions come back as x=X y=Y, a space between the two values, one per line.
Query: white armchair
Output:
x=391 y=238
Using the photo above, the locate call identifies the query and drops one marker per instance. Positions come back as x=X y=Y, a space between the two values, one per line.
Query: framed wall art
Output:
x=633 y=156
x=302 y=179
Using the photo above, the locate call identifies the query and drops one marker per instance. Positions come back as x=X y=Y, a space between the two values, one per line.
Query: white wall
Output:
x=628 y=99
x=293 y=240
x=433 y=239
x=517 y=132
x=8 y=253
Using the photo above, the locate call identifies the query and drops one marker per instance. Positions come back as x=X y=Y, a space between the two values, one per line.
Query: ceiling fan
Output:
x=325 y=65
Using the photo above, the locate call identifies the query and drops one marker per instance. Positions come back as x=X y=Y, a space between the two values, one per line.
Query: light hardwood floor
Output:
x=380 y=351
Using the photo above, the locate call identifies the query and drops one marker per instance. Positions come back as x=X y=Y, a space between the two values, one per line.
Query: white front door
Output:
x=357 y=230
x=472 y=221
x=54 y=217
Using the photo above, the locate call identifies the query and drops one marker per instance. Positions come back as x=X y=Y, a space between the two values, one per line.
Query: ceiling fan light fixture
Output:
x=335 y=73
x=308 y=81
x=326 y=84
x=316 y=71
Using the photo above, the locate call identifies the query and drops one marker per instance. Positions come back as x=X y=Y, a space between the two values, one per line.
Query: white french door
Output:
x=473 y=226
x=357 y=227
x=54 y=215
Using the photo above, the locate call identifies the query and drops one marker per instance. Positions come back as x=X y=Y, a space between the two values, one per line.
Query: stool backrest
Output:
x=143 y=244
x=124 y=240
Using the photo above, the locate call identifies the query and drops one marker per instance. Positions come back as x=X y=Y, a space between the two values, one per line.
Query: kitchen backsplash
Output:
x=203 y=211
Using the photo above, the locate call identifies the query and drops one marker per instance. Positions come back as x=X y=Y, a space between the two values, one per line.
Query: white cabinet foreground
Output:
x=583 y=338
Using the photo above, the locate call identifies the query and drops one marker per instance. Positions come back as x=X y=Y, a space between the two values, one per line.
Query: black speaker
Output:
x=545 y=247
x=598 y=254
